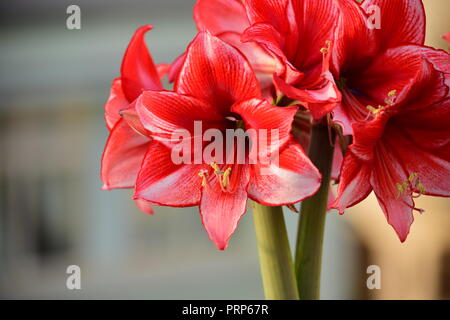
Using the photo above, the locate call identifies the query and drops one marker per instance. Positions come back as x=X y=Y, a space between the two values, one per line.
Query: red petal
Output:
x=217 y=16
x=337 y=162
x=309 y=15
x=162 y=182
x=165 y=112
x=260 y=59
x=268 y=37
x=116 y=102
x=175 y=67
x=351 y=36
x=122 y=158
x=138 y=71
x=426 y=88
x=354 y=185
x=144 y=206
x=402 y=21
x=162 y=69
x=425 y=150
x=259 y=114
x=294 y=179
x=131 y=117
x=319 y=100
x=273 y=12
x=263 y=63
x=397 y=207
x=217 y=73
x=221 y=211
x=392 y=70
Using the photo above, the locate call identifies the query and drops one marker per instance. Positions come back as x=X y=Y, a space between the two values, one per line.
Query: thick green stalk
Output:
x=308 y=259
x=277 y=268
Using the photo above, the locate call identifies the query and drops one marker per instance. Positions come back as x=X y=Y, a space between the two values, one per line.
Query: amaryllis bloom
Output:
x=125 y=148
x=298 y=34
x=403 y=151
x=217 y=87
x=368 y=62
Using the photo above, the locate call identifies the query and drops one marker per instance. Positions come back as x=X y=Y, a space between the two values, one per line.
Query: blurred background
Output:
x=53 y=85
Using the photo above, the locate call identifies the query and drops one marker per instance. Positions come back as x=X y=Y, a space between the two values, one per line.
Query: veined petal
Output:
x=275 y=121
x=392 y=70
x=259 y=58
x=354 y=43
x=426 y=88
x=138 y=71
x=274 y=12
x=309 y=15
x=163 y=182
x=217 y=16
x=217 y=73
x=122 y=158
x=397 y=206
x=165 y=112
x=319 y=100
x=354 y=185
x=410 y=28
x=425 y=151
x=289 y=181
x=268 y=37
x=221 y=211
x=116 y=102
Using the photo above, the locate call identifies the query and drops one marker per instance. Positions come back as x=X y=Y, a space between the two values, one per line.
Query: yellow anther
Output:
x=204 y=175
x=412 y=177
x=215 y=167
x=392 y=93
x=421 y=188
x=374 y=110
x=225 y=177
x=411 y=184
x=326 y=49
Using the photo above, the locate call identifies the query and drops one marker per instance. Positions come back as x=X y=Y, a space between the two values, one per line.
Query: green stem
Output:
x=277 y=269
x=308 y=259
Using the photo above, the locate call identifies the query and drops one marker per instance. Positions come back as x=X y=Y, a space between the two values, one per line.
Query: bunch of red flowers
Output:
x=286 y=65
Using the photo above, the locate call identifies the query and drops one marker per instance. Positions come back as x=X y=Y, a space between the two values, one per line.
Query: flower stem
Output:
x=277 y=268
x=308 y=259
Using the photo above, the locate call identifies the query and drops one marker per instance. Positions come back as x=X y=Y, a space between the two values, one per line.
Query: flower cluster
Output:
x=285 y=65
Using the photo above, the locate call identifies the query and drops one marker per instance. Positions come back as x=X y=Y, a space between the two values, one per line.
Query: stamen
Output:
x=226 y=178
x=204 y=175
x=326 y=49
x=222 y=176
x=390 y=100
x=374 y=110
x=411 y=185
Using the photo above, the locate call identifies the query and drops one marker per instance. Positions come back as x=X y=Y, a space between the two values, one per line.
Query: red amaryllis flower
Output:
x=297 y=34
x=125 y=148
x=371 y=57
x=217 y=87
x=404 y=151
